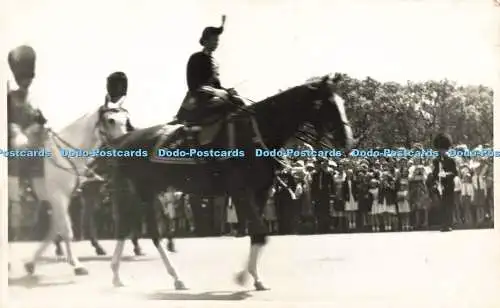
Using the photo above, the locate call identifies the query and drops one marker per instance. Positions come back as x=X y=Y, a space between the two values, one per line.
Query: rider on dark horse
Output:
x=206 y=99
x=116 y=87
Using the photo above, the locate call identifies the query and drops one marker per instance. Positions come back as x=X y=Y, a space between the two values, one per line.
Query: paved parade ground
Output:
x=418 y=269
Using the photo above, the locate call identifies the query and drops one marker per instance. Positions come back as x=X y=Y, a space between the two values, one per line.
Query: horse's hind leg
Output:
x=116 y=260
x=169 y=233
x=250 y=207
x=67 y=236
x=49 y=238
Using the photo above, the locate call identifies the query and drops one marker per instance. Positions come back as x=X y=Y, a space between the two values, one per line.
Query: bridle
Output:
x=103 y=134
x=319 y=128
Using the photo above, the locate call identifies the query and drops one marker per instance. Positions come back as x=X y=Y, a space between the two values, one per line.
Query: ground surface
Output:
x=420 y=269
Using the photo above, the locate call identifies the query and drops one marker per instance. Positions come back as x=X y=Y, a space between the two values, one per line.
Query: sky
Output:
x=266 y=46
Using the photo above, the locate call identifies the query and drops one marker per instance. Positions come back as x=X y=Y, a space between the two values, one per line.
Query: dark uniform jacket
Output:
x=21 y=113
x=448 y=165
x=323 y=185
x=201 y=71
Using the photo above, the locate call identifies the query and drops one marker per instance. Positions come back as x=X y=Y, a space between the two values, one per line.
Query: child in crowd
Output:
x=364 y=198
x=351 y=206
x=467 y=195
x=419 y=195
x=270 y=212
x=232 y=217
x=377 y=207
x=457 y=212
x=403 y=199
x=387 y=194
x=339 y=178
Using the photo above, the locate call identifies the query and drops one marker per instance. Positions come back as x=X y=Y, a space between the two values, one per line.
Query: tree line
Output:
x=391 y=114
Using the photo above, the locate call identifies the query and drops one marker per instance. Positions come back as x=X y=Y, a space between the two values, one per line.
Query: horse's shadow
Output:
x=205 y=296
x=30 y=282
x=97 y=258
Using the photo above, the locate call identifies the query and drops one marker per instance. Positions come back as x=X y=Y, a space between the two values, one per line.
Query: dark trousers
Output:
x=284 y=205
x=322 y=213
x=447 y=207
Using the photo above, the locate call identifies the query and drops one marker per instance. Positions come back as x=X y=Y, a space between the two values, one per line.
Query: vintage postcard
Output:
x=281 y=153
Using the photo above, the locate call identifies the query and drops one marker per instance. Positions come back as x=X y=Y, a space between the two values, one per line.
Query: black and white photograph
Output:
x=249 y=153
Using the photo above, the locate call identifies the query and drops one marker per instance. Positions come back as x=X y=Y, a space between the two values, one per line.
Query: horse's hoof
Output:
x=59 y=253
x=241 y=278
x=29 y=267
x=138 y=252
x=171 y=247
x=117 y=283
x=81 y=271
x=100 y=252
x=179 y=285
x=259 y=286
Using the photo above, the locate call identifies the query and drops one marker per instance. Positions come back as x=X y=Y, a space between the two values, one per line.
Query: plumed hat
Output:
x=208 y=32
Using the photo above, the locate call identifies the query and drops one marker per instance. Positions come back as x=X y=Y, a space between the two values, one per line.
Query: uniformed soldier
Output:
x=117 y=88
x=444 y=173
x=206 y=98
x=25 y=124
x=322 y=190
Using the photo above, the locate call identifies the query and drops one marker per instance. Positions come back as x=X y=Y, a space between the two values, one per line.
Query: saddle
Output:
x=176 y=138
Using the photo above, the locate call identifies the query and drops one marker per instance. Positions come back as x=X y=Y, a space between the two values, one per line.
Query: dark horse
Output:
x=268 y=125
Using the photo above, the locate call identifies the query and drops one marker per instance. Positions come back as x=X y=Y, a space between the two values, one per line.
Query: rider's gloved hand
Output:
x=40 y=119
x=232 y=92
x=222 y=94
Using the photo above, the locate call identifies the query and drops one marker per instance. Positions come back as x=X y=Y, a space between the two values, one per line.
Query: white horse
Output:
x=63 y=174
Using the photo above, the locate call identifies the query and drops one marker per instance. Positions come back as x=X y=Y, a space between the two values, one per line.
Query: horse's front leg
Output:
x=249 y=206
x=135 y=241
x=154 y=234
x=169 y=233
x=59 y=251
x=122 y=230
x=89 y=200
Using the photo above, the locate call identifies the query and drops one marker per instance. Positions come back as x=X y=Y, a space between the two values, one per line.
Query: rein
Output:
x=58 y=140
x=259 y=137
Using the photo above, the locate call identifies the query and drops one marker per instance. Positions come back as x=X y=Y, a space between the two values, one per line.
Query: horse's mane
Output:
x=288 y=95
x=288 y=92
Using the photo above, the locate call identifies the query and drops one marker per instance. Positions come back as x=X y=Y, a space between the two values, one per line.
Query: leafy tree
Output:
x=390 y=114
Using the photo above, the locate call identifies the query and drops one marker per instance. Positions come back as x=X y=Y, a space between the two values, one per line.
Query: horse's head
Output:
x=112 y=123
x=328 y=114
